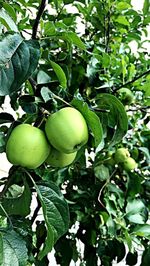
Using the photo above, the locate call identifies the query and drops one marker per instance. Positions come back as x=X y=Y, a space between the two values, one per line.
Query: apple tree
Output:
x=92 y=207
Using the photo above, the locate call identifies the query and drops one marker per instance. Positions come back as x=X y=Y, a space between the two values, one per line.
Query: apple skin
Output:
x=126 y=96
x=60 y=159
x=27 y=146
x=121 y=155
x=129 y=164
x=67 y=130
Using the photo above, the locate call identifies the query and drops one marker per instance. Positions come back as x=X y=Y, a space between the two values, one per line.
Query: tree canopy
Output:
x=55 y=54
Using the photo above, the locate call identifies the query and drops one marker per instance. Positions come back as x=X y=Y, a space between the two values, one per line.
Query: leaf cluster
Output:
x=76 y=53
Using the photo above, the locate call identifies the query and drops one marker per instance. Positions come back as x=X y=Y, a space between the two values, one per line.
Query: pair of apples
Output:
x=122 y=156
x=66 y=132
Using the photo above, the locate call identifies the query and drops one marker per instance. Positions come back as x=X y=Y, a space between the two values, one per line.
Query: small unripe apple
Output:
x=67 y=130
x=110 y=159
x=129 y=164
x=126 y=96
x=60 y=159
x=27 y=146
x=121 y=155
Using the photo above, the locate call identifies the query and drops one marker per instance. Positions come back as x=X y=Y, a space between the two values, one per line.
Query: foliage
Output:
x=51 y=57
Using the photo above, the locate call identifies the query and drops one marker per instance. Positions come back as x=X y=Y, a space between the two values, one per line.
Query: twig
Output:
x=105 y=184
x=37 y=20
x=61 y=99
x=6 y=215
x=36 y=211
x=133 y=80
x=38 y=198
x=27 y=32
x=141 y=108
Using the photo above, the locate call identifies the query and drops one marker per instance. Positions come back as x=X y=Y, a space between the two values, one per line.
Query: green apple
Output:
x=129 y=164
x=126 y=96
x=110 y=159
x=27 y=146
x=67 y=130
x=121 y=155
x=60 y=159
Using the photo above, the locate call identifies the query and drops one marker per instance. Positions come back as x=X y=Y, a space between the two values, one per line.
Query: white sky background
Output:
x=5 y=165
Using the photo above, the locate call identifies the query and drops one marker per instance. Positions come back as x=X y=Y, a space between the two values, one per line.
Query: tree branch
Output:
x=103 y=187
x=37 y=20
x=36 y=211
x=133 y=80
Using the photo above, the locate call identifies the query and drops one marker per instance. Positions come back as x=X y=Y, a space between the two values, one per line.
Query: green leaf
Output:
x=136 y=21
x=136 y=211
x=145 y=87
x=46 y=94
x=55 y=211
x=134 y=184
x=146 y=7
x=29 y=104
x=18 y=60
x=60 y=74
x=6 y=118
x=117 y=193
x=49 y=28
x=13 y=249
x=111 y=226
x=146 y=20
x=7 y=21
x=122 y=20
x=2 y=142
x=18 y=201
x=105 y=60
x=9 y=44
x=56 y=4
x=101 y=172
x=133 y=36
x=142 y=230
x=10 y=10
x=146 y=257
x=146 y=152
x=75 y=39
x=122 y=6
x=132 y=71
x=91 y=118
x=113 y=117
x=43 y=77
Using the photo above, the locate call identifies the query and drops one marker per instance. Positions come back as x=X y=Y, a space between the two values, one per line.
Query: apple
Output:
x=67 y=130
x=121 y=155
x=27 y=146
x=60 y=159
x=129 y=164
x=110 y=159
x=126 y=96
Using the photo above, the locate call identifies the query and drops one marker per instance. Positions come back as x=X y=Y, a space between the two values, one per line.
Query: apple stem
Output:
x=61 y=99
x=40 y=122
